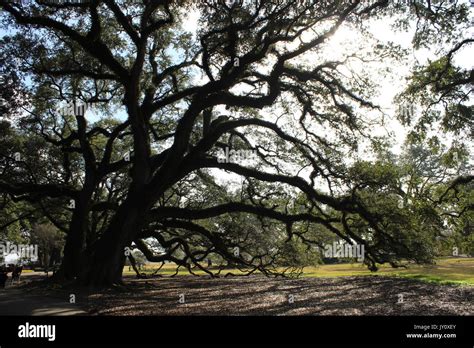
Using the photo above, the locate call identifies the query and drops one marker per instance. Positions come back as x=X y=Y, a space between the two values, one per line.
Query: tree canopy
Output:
x=114 y=118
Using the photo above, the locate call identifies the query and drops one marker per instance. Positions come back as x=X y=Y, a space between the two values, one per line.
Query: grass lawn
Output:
x=446 y=271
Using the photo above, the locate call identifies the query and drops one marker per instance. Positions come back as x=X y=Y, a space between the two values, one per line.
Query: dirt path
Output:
x=16 y=300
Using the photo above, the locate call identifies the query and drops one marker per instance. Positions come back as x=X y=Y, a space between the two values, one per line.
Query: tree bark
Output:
x=73 y=251
x=106 y=258
x=75 y=245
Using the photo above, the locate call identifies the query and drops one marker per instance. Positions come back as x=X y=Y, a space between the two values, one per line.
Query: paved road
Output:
x=16 y=301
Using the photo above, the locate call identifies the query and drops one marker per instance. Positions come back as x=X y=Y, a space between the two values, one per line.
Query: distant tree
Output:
x=50 y=243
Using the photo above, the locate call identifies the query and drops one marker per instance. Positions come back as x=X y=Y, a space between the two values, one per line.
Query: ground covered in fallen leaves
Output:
x=258 y=295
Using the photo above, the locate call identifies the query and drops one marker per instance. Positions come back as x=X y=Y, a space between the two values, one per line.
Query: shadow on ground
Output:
x=257 y=295
x=23 y=299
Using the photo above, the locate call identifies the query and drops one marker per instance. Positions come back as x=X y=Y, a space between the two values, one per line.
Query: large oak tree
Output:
x=253 y=77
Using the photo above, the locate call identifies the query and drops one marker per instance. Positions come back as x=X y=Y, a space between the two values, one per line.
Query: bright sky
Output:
x=345 y=39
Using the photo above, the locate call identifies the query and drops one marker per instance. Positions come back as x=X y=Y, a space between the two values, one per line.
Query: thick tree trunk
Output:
x=75 y=245
x=106 y=259
x=105 y=266
x=73 y=253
